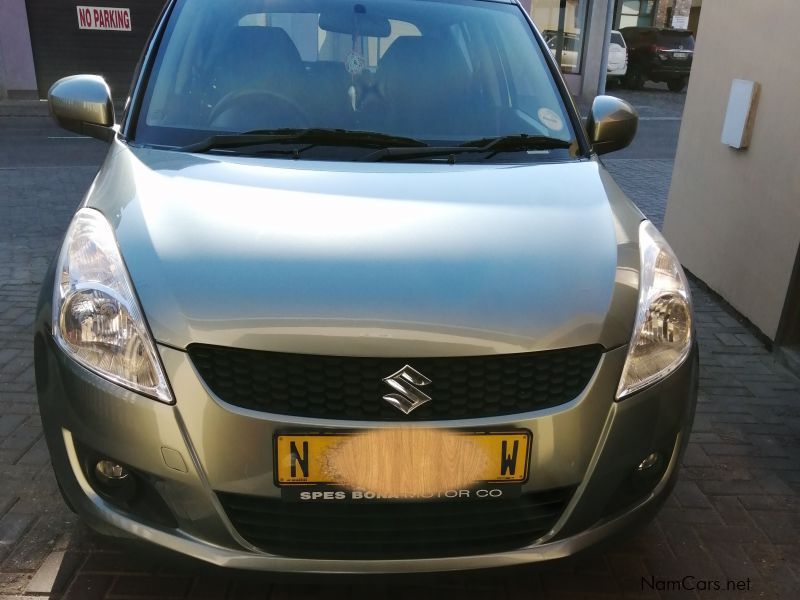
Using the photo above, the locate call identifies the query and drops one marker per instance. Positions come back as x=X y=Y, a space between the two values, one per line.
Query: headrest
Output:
x=260 y=43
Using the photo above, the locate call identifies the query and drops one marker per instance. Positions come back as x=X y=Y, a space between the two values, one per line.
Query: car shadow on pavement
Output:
x=99 y=567
x=94 y=566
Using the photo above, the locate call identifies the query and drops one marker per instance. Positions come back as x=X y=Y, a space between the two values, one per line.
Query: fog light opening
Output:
x=109 y=471
x=114 y=481
x=650 y=461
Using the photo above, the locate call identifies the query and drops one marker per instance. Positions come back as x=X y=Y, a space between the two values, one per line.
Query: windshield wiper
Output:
x=401 y=153
x=313 y=136
x=488 y=146
x=518 y=142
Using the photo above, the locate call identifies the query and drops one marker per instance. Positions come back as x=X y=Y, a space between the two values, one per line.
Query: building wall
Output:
x=733 y=216
x=694 y=18
x=17 y=75
x=660 y=19
x=547 y=15
x=62 y=48
x=667 y=8
x=681 y=8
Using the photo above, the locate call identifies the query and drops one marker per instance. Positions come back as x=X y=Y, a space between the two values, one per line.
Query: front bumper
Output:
x=617 y=71
x=201 y=446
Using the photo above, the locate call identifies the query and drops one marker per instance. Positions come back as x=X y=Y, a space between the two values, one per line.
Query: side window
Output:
x=523 y=73
x=527 y=80
x=458 y=33
x=482 y=54
x=519 y=74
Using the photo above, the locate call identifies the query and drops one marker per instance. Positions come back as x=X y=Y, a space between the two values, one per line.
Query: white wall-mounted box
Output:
x=739 y=117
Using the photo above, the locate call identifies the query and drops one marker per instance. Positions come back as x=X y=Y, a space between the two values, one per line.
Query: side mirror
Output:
x=611 y=125
x=82 y=103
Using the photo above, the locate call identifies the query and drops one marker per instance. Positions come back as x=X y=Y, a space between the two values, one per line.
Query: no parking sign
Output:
x=104 y=18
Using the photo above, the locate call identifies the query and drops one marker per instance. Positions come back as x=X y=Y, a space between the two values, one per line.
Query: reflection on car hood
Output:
x=369 y=259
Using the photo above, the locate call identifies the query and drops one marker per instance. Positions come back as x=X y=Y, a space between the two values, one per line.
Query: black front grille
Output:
x=394 y=529
x=343 y=387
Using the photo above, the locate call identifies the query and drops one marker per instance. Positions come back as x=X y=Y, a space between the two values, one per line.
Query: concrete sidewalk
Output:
x=732 y=518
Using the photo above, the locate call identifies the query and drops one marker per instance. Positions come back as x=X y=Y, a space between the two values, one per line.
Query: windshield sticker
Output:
x=355 y=63
x=550 y=119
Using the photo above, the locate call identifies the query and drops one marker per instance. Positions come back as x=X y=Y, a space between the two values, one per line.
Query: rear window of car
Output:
x=674 y=40
x=616 y=38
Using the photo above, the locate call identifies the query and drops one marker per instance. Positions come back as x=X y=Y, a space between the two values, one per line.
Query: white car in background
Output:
x=617 y=56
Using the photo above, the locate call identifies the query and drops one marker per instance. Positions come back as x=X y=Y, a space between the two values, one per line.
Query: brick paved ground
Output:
x=646 y=181
x=654 y=102
x=734 y=513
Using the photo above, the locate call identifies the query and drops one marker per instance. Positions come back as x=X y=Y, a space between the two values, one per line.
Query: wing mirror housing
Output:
x=82 y=103
x=611 y=124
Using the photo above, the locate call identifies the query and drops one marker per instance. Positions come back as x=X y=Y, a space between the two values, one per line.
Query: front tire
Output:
x=676 y=85
x=635 y=79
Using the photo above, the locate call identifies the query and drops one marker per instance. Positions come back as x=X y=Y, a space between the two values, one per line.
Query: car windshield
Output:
x=616 y=38
x=433 y=72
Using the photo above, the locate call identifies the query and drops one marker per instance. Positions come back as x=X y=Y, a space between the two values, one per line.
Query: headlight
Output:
x=662 y=333
x=96 y=316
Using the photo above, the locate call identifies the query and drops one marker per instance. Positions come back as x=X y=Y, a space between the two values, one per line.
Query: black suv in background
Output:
x=658 y=55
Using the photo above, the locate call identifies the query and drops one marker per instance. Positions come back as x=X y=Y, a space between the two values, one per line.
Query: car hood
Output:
x=372 y=259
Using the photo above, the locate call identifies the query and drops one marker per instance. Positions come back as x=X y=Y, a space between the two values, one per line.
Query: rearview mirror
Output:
x=82 y=103
x=357 y=22
x=611 y=125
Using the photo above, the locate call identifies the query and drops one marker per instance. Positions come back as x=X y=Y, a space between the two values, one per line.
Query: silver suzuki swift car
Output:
x=352 y=292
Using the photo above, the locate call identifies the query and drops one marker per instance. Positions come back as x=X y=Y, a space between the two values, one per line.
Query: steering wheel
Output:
x=245 y=110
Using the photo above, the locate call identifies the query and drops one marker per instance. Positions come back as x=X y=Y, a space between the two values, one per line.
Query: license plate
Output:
x=305 y=459
x=680 y=55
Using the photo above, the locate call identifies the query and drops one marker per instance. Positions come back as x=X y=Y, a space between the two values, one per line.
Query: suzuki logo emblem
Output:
x=406 y=382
